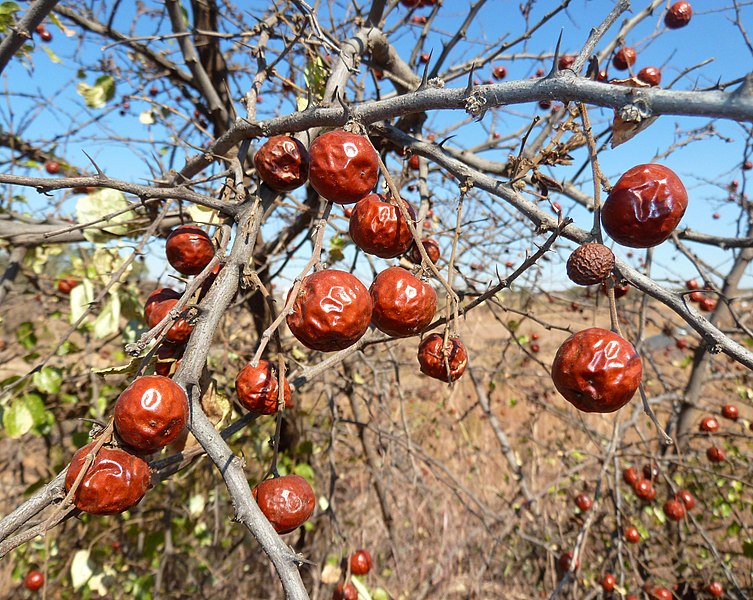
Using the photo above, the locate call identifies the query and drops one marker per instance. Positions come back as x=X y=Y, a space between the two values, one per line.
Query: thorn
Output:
x=309 y=99
x=593 y=68
x=469 y=87
x=444 y=141
x=346 y=110
x=555 y=64
x=425 y=76
x=95 y=165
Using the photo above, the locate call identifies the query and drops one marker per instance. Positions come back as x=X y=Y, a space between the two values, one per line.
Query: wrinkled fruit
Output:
x=168 y=358
x=360 y=562
x=678 y=15
x=590 y=264
x=377 y=227
x=282 y=163
x=286 y=501
x=403 y=305
x=432 y=354
x=624 y=58
x=258 y=388
x=158 y=305
x=432 y=251
x=189 y=249
x=650 y=75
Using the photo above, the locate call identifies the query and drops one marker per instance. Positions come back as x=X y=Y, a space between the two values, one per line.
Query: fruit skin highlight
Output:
x=432 y=354
x=258 y=388
x=286 y=501
x=403 y=305
x=282 y=163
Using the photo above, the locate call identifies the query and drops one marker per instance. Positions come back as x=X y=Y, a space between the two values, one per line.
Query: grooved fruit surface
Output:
x=678 y=15
x=282 y=163
x=116 y=480
x=189 y=249
x=596 y=370
x=331 y=312
x=377 y=227
x=590 y=264
x=180 y=330
x=432 y=251
x=151 y=412
x=344 y=166
x=650 y=75
x=645 y=206
x=155 y=298
x=286 y=501
x=624 y=58
x=403 y=305
x=434 y=356
x=258 y=388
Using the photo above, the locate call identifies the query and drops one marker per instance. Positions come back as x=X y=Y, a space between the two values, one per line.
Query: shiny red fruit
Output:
x=632 y=535
x=687 y=499
x=189 y=249
x=692 y=284
x=645 y=206
x=608 y=582
x=46 y=36
x=424 y=57
x=286 y=501
x=696 y=296
x=674 y=509
x=715 y=455
x=583 y=502
x=432 y=251
x=731 y=412
x=661 y=593
x=650 y=75
x=678 y=15
x=403 y=305
x=115 y=481
x=151 y=412
x=645 y=490
x=331 y=312
x=651 y=471
x=624 y=58
x=344 y=166
x=440 y=361
x=499 y=72
x=360 y=562
x=566 y=61
x=345 y=591
x=596 y=370
x=52 y=167
x=160 y=302
x=40 y=28
x=709 y=424
x=630 y=476
x=34 y=580
x=66 y=284
x=258 y=388
x=282 y=163
x=707 y=304
x=715 y=589
x=377 y=227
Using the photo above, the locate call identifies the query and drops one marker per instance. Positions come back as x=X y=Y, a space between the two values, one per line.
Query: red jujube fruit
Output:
x=377 y=227
x=189 y=249
x=282 y=163
x=258 y=388
x=360 y=562
x=286 y=501
x=434 y=357
x=403 y=305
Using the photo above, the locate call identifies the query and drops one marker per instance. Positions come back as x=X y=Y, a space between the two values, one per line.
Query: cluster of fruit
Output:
x=360 y=564
x=44 y=34
x=705 y=303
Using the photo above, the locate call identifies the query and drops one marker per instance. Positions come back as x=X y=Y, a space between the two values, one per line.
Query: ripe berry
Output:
x=403 y=305
x=650 y=75
x=286 y=501
x=258 y=388
x=632 y=535
x=66 y=284
x=715 y=455
x=731 y=412
x=709 y=424
x=608 y=582
x=645 y=490
x=678 y=15
x=661 y=593
x=499 y=72
x=40 y=28
x=590 y=264
x=331 y=312
x=707 y=304
x=189 y=249
x=52 y=167
x=715 y=589
x=566 y=61
x=597 y=370
x=282 y=163
x=435 y=357
x=624 y=58
x=46 y=36
x=687 y=499
x=583 y=502
x=160 y=302
x=692 y=284
x=345 y=591
x=360 y=562
x=535 y=347
x=424 y=58
x=34 y=580
x=432 y=251
x=674 y=509
x=651 y=471
x=747 y=165
x=115 y=481
x=564 y=562
x=645 y=206
x=377 y=227
x=344 y=166
x=630 y=476
x=151 y=412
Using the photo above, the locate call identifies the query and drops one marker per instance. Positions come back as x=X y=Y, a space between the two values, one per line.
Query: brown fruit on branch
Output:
x=158 y=305
x=566 y=61
x=624 y=58
x=286 y=501
x=590 y=264
x=52 y=167
x=687 y=499
x=564 y=562
x=645 y=206
x=168 y=358
x=608 y=582
x=583 y=502
x=345 y=591
x=597 y=370
x=115 y=481
x=331 y=312
x=678 y=15
x=632 y=535
x=731 y=412
x=66 y=284
x=155 y=298
x=360 y=562
x=344 y=166
x=715 y=455
x=189 y=249
x=377 y=227
x=432 y=251
x=282 y=163
x=434 y=357
x=650 y=75
x=645 y=490
x=630 y=476
x=674 y=509
x=499 y=72
x=258 y=388
x=709 y=424
x=403 y=305
x=34 y=580
x=151 y=412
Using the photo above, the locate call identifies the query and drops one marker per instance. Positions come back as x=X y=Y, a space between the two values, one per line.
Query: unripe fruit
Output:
x=345 y=591
x=590 y=264
x=645 y=206
x=583 y=502
x=377 y=227
x=331 y=312
x=286 y=501
x=630 y=476
x=687 y=499
x=608 y=582
x=650 y=75
x=632 y=535
x=151 y=412
x=730 y=411
x=678 y=15
x=403 y=305
x=432 y=250
x=282 y=163
x=258 y=388
x=597 y=370
x=715 y=455
x=434 y=357
x=709 y=424
x=674 y=509
x=189 y=249
x=34 y=580
x=624 y=58
x=360 y=562
x=344 y=166
x=115 y=481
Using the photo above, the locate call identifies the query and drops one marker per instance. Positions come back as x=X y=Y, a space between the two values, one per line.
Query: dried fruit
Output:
x=115 y=481
x=566 y=61
x=403 y=305
x=331 y=312
x=564 y=562
x=583 y=502
x=630 y=476
x=432 y=250
x=650 y=75
x=344 y=166
x=168 y=357
x=282 y=163
x=590 y=264
x=151 y=412
x=189 y=249
x=731 y=412
x=596 y=370
x=686 y=498
x=158 y=305
x=499 y=72
x=52 y=167
x=709 y=424
x=645 y=206
x=360 y=562
x=286 y=501
x=645 y=490
x=715 y=455
x=440 y=361
x=651 y=471
x=624 y=58
x=678 y=15
x=674 y=509
x=258 y=388
x=377 y=227
x=345 y=591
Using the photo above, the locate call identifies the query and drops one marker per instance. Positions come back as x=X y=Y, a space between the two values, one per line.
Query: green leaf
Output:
x=734 y=529
x=129 y=369
x=108 y=321
x=315 y=75
x=18 y=419
x=363 y=591
x=305 y=471
x=748 y=549
x=8 y=8
x=52 y=56
x=81 y=570
x=48 y=380
x=98 y=206
x=25 y=335
x=97 y=95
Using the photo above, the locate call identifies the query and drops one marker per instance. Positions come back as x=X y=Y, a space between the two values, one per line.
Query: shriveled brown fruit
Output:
x=434 y=357
x=377 y=227
x=596 y=370
x=432 y=251
x=287 y=501
x=624 y=58
x=403 y=305
x=189 y=249
x=331 y=311
x=155 y=298
x=115 y=481
x=360 y=562
x=678 y=15
x=180 y=330
x=258 y=388
x=151 y=412
x=282 y=163
x=650 y=75
x=590 y=264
